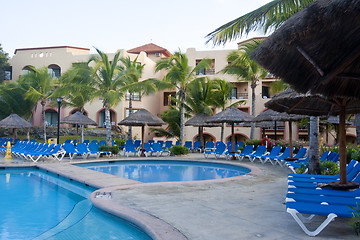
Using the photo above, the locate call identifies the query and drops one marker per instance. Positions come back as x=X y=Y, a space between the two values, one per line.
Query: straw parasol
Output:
x=14 y=121
x=142 y=118
x=291 y=101
x=200 y=121
x=79 y=119
x=231 y=115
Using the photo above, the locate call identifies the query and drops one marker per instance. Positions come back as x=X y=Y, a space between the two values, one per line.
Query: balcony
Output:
x=240 y=96
x=206 y=72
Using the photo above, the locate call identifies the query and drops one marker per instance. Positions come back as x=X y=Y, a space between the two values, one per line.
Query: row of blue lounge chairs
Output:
x=305 y=197
x=34 y=151
x=149 y=149
x=3 y=141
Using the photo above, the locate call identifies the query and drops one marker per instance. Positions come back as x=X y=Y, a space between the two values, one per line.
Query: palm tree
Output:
x=76 y=84
x=107 y=78
x=179 y=76
x=131 y=72
x=41 y=88
x=242 y=66
x=172 y=118
x=220 y=97
x=267 y=17
x=198 y=98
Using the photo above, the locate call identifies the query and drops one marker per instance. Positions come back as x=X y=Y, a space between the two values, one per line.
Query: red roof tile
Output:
x=150 y=48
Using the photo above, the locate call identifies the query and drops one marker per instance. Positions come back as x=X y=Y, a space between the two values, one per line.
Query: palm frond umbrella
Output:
x=14 y=121
x=271 y=115
x=79 y=119
x=291 y=101
x=231 y=115
x=142 y=118
x=318 y=50
x=200 y=121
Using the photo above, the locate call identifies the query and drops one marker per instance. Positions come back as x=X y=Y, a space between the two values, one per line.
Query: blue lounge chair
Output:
x=148 y=150
x=280 y=158
x=260 y=150
x=36 y=155
x=177 y=143
x=94 y=149
x=83 y=150
x=219 y=150
x=67 y=141
x=157 y=148
x=248 y=149
x=86 y=142
x=188 y=144
x=168 y=145
x=197 y=145
x=273 y=153
x=130 y=148
x=209 y=146
x=70 y=150
x=102 y=142
x=137 y=143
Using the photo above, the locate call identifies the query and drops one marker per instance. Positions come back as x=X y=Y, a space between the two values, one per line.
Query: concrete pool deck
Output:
x=248 y=207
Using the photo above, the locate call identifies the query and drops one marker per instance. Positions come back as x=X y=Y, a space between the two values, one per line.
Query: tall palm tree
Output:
x=246 y=69
x=41 y=88
x=267 y=17
x=198 y=98
x=131 y=72
x=107 y=76
x=220 y=97
x=179 y=76
x=77 y=85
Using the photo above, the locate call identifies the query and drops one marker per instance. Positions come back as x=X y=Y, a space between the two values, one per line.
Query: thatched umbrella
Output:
x=231 y=115
x=316 y=105
x=318 y=50
x=142 y=118
x=266 y=124
x=271 y=115
x=79 y=119
x=200 y=121
x=14 y=121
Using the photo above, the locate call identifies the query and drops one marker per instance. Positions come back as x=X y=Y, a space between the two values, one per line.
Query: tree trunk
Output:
x=222 y=132
x=314 y=161
x=43 y=119
x=130 y=112
x=82 y=126
x=108 y=124
x=357 y=125
x=182 y=100
x=253 y=86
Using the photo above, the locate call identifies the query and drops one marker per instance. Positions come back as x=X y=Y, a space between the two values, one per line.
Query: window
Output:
x=133 y=111
x=8 y=73
x=168 y=98
x=234 y=93
x=51 y=117
x=26 y=70
x=135 y=96
x=157 y=54
x=265 y=92
x=54 y=70
x=102 y=118
x=208 y=71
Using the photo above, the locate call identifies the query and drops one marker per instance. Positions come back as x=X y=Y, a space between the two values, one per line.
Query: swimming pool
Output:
x=36 y=205
x=167 y=170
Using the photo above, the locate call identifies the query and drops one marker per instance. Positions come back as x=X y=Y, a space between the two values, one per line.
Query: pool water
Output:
x=35 y=205
x=168 y=171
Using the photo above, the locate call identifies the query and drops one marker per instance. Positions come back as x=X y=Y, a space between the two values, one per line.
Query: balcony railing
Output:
x=206 y=72
x=240 y=96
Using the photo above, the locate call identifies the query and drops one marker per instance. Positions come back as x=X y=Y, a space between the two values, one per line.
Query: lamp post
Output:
x=59 y=100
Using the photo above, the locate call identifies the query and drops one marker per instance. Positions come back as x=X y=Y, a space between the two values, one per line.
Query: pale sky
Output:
x=117 y=24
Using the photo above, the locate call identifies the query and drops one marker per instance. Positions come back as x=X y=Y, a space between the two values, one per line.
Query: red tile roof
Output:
x=150 y=48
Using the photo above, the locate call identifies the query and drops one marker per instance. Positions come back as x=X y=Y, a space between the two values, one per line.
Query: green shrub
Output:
x=179 y=150
x=329 y=168
x=255 y=142
x=301 y=169
x=113 y=149
x=120 y=142
x=355 y=220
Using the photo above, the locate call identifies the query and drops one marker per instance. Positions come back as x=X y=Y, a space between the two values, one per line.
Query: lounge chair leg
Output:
x=297 y=216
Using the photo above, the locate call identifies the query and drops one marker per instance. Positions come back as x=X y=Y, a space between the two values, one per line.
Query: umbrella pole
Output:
x=342 y=145
x=275 y=131
x=142 y=140
x=290 y=140
x=13 y=133
x=232 y=137
x=77 y=132
x=201 y=129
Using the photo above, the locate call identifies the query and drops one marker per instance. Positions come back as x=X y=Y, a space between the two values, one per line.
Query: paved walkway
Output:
x=251 y=207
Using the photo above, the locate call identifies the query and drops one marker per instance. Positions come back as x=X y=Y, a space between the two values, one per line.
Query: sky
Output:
x=118 y=24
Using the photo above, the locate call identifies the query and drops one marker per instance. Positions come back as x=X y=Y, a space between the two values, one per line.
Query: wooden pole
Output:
x=232 y=137
x=342 y=145
x=290 y=140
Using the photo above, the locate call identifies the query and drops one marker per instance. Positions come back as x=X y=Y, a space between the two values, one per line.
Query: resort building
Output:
x=59 y=59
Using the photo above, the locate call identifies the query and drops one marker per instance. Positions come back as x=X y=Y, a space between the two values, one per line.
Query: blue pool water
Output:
x=168 y=171
x=35 y=205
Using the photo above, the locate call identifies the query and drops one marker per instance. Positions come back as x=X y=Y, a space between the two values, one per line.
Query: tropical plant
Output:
x=107 y=76
x=179 y=76
x=267 y=17
x=246 y=69
x=172 y=118
x=198 y=98
x=41 y=86
x=4 y=57
x=220 y=97
x=77 y=85
x=179 y=150
x=278 y=86
x=131 y=72
x=355 y=220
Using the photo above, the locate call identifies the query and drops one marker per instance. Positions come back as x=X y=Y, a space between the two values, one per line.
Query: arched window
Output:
x=51 y=117
x=26 y=70
x=102 y=118
x=54 y=70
